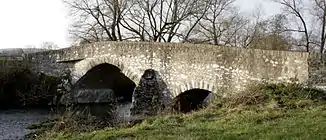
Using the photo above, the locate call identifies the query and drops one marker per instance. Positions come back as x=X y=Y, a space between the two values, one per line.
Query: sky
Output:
x=31 y=22
x=26 y=23
x=269 y=8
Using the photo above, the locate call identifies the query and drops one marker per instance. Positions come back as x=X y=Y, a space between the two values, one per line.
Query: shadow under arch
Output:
x=191 y=100
x=87 y=64
x=107 y=76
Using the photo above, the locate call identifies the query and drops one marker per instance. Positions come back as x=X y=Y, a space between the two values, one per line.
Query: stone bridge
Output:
x=186 y=66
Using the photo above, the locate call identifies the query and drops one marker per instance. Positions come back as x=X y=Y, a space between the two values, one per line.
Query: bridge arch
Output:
x=82 y=67
x=209 y=86
x=191 y=100
x=193 y=96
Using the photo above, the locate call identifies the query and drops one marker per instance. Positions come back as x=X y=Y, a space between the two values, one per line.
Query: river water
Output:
x=14 y=122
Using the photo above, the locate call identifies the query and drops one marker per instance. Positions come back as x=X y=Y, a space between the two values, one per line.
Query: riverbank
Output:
x=24 y=97
x=264 y=111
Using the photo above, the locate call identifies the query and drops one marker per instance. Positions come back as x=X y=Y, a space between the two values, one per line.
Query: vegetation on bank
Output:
x=263 y=111
x=244 y=124
x=20 y=87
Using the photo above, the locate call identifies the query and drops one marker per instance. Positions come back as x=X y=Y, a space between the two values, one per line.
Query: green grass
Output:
x=208 y=124
x=300 y=114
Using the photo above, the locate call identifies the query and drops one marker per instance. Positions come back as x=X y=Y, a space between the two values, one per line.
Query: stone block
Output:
x=87 y=96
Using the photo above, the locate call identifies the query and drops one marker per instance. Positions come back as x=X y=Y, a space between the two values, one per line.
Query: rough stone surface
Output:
x=151 y=95
x=91 y=102
x=87 y=96
x=46 y=62
x=188 y=66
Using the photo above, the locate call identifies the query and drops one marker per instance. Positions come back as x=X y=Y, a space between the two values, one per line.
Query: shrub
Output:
x=283 y=94
x=22 y=88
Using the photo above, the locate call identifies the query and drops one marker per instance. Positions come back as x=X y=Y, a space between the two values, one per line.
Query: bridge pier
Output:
x=151 y=96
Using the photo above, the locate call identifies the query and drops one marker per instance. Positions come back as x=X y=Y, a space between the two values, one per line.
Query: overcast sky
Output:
x=31 y=22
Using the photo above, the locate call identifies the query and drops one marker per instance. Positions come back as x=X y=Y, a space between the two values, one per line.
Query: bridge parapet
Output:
x=46 y=62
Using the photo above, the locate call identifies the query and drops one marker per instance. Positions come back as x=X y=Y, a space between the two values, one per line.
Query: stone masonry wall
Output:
x=187 y=66
x=46 y=63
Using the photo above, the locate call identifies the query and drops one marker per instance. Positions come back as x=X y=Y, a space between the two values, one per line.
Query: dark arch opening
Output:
x=190 y=100
x=107 y=76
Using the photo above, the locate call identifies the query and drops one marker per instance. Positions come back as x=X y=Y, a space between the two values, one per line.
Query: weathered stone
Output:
x=151 y=95
x=91 y=102
x=87 y=96
x=187 y=66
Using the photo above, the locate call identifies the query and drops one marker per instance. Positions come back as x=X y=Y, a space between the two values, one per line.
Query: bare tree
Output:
x=234 y=33
x=224 y=25
x=144 y=20
x=296 y=9
x=270 y=34
x=319 y=11
x=241 y=30
x=216 y=22
x=221 y=19
x=209 y=21
x=97 y=20
x=163 y=20
x=251 y=30
x=276 y=31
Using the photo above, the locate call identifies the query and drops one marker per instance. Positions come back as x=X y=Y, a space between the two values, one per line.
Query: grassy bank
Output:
x=265 y=124
x=264 y=111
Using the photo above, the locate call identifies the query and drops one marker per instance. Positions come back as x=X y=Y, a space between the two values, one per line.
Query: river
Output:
x=14 y=122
